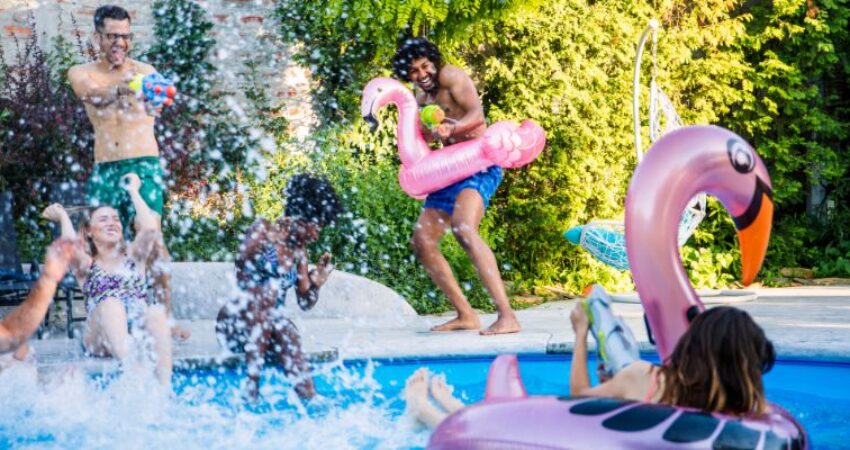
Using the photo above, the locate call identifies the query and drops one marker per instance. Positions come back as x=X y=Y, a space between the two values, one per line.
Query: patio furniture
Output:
x=71 y=195
x=15 y=284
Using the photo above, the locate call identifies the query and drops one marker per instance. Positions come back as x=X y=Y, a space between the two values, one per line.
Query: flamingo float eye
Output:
x=741 y=156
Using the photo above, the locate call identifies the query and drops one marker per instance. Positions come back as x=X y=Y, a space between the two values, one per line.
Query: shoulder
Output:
x=451 y=74
x=143 y=68
x=639 y=370
x=256 y=231
x=80 y=70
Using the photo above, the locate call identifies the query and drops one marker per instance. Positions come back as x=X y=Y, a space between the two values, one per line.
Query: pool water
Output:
x=817 y=393
x=359 y=406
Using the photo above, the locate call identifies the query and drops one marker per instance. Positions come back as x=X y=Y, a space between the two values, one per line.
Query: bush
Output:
x=772 y=71
x=44 y=132
x=372 y=238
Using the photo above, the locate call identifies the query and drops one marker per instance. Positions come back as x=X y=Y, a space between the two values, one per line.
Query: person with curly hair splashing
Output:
x=461 y=205
x=273 y=258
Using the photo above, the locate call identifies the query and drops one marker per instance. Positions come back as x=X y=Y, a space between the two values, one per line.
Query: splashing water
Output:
x=71 y=409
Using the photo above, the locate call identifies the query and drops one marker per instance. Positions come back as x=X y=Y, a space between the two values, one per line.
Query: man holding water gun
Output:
x=122 y=98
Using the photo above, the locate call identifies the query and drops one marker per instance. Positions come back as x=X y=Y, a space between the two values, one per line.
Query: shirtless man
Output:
x=124 y=129
x=461 y=205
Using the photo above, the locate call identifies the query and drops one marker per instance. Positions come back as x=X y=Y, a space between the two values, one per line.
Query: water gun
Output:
x=432 y=116
x=615 y=343
x=156 y=89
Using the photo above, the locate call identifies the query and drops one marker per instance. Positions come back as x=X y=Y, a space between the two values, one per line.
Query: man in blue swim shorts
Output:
x=460 y=206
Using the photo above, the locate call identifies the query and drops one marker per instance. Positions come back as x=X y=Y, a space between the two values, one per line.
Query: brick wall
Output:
x=243 y=30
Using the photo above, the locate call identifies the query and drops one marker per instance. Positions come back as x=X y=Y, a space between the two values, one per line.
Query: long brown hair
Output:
x=718 y=363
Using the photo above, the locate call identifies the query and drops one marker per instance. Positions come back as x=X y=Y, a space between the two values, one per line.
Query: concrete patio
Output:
x=357 y=318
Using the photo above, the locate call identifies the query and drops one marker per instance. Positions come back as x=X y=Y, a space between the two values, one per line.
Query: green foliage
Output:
x=372 y=238
x=798 y=118
x=205 y=143
x=45 y=136
x=776 y=72
x=346 y=40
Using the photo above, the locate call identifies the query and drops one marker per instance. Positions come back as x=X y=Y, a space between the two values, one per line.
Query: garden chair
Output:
x=70 y=194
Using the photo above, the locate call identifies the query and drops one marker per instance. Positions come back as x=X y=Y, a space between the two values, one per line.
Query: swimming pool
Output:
x=359 y=406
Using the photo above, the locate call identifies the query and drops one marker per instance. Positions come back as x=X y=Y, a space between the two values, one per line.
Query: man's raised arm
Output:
x=91 y=92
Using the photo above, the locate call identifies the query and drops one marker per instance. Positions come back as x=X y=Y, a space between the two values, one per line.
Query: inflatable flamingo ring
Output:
x=684 y=163
x=424 y=170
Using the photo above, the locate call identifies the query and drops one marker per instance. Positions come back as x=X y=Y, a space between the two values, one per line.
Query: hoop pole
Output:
x=653 y=27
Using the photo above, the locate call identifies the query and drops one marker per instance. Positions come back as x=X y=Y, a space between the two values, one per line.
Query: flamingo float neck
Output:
x=388 y=91
x=680 y=165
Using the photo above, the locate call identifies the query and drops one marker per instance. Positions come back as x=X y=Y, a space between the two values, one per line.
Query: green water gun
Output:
x=432 y=115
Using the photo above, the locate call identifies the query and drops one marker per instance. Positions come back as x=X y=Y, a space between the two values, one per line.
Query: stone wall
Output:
x=243 y=30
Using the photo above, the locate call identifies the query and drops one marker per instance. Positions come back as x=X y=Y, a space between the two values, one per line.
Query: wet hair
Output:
x=311 y=199
x=109 y=12
x=718 y=363
x=412 y=49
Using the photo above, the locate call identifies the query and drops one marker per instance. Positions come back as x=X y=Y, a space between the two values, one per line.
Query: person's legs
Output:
x=155 y=322
x=442 y=393
x=419 y=406
x=160 y=272
x=286 y=345
x=429 y=229
x=106 y=329
x=468 y=212
x=152 y=190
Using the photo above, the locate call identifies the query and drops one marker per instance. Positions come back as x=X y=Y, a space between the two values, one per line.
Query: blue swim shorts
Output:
x=485 y=182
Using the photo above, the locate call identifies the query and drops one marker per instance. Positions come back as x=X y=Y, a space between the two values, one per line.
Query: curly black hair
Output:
x=412 y=49
x=312 y=199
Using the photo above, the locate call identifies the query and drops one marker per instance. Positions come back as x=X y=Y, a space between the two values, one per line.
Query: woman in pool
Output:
x=272 y=259
x=113 y=279
x=716 y=366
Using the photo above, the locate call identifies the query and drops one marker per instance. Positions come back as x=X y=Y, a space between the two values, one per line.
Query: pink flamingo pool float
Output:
x=682 y=164
x=424 y=170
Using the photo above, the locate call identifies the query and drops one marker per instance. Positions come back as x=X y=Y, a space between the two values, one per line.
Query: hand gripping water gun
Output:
x=432 y=116
x=156 y=89
x=615 y=343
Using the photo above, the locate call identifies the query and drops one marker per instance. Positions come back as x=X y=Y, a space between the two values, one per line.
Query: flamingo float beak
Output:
x=754 y=231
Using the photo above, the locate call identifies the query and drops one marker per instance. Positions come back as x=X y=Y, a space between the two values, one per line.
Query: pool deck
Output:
x=803 y=322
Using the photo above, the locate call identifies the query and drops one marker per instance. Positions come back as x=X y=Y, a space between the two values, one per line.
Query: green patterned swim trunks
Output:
x=105 y=187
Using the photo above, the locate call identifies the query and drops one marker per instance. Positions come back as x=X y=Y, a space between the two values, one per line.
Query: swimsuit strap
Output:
x=653 y=384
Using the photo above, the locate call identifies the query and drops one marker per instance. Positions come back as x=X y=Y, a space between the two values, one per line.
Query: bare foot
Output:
x=502 y=325
x=416 y=386
x=442 y=393
x=459 y=323
x=419 y=406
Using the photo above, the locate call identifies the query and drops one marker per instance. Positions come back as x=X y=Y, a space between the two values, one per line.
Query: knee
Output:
x=156 y=318
x=464 y=233
x=422 y=242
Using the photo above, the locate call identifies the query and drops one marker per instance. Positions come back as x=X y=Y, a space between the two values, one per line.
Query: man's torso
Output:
x=122 y=129
x=443 y=98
